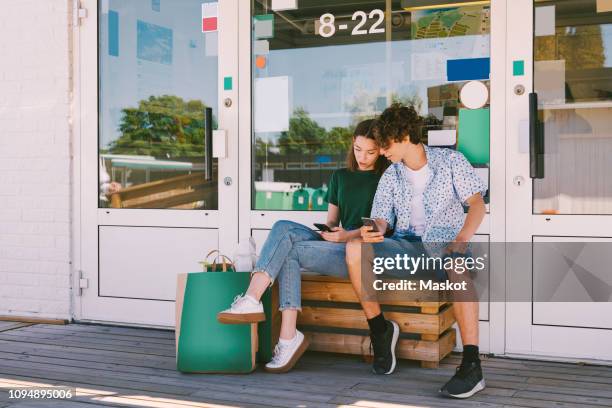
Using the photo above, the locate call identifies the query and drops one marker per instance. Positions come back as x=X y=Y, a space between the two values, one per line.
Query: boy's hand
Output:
x=457 y=247
x=367 y=235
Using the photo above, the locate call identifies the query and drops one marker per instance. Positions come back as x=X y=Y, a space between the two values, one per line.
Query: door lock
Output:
x=519 y=90
x=518 y=181
x=227 y=181
x=227 y=102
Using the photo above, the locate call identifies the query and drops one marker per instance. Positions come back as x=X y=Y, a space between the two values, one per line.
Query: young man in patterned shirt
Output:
x=421 y=197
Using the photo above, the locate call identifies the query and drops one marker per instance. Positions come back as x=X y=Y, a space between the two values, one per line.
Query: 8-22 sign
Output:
x=327 y=28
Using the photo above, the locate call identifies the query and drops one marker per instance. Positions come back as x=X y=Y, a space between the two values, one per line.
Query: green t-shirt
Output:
x=353 y=193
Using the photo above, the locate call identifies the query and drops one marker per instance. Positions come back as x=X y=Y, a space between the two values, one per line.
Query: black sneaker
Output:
x=466 y=382
x=384 y=349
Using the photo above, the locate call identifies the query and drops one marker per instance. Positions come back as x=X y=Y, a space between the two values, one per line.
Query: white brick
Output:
x=21 y=307
x=35 y=171
x=19 y=253
x=32 y=241
x=54 y=254
x=37 y=215
x=10 y=215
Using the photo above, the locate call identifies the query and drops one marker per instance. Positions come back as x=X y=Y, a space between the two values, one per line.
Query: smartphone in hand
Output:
x=322 y=227
x=370 y=223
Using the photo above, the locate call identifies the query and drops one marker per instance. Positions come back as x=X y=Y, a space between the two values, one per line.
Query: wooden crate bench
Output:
x=334 y=321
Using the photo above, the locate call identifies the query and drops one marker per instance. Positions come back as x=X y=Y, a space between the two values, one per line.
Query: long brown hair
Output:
x=366 y=129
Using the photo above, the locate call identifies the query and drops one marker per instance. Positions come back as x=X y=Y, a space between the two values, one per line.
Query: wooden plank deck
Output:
x=132 y=367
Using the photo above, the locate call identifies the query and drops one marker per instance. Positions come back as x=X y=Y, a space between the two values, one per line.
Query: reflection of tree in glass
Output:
x=305 y=136
x=413 y=100
x=163 y=127
x=366 y=105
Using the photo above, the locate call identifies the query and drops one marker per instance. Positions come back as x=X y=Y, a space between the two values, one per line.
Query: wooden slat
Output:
x=169 y=352
x=85 y=341
x=360 y=345
x=115 y=330
x=355 y=319
x=145 y=189
x=29 y=319
x=6 y=326
x=87 y=336
x=170 y=201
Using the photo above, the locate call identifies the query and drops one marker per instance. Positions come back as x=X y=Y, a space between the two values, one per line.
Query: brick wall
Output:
x=35 y=165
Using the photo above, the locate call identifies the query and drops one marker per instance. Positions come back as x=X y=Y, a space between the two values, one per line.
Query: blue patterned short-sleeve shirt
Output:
x=452 y=180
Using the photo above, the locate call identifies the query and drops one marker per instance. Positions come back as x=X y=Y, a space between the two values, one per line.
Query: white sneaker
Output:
x=244 y=309
x=286 y=354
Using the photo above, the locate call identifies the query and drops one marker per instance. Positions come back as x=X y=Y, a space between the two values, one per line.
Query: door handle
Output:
x=536 y=140
x=220 y=143
x=208 y=129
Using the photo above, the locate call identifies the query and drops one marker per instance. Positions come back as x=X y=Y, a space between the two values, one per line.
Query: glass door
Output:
x=159 y=151
x=560 y=192
x=318 y=69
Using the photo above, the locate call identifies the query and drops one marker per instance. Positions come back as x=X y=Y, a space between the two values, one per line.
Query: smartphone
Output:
x=370 y=222
x=322 y=227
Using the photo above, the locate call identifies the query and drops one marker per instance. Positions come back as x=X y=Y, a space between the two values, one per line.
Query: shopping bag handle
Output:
x=225 y=261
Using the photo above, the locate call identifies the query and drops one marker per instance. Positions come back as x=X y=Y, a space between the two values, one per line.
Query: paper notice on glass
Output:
x=279 y=5
x=261 y=47
x=211 y=44
x=263 y=26
x=603 y=6
x=446 y=137
x=545 y=20
x=427 y=66
x=549 y=81
x=271 y=104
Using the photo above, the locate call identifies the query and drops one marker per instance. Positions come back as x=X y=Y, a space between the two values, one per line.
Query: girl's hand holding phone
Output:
x=338 y=234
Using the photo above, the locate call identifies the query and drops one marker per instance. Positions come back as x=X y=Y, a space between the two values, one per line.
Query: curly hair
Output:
x=395 y=123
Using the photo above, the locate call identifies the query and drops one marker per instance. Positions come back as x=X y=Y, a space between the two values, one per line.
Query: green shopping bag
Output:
x=202 y=343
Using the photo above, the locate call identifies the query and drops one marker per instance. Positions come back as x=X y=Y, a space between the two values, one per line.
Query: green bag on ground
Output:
x=202 y=343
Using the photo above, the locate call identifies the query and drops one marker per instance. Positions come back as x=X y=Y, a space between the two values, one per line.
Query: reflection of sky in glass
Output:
x=154 y=43
x=335 y=82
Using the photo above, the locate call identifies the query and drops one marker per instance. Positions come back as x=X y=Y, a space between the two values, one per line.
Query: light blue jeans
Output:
x=291 y=247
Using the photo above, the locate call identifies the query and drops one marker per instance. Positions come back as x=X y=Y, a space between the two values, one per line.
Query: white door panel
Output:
x=152 y=87
x=142 y=262
x=559 y=221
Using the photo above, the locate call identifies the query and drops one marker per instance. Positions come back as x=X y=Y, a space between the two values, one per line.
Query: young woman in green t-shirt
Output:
x=291 y=247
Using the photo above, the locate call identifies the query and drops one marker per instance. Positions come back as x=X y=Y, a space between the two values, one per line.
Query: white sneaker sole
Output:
x=396 y=332
x=294 y=359
x=478 y=387
x=240 y=318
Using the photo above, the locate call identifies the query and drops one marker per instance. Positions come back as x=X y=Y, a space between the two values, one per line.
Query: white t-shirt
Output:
x=418 y=179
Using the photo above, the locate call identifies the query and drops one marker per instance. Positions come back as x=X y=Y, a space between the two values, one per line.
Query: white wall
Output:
x=35 y=172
